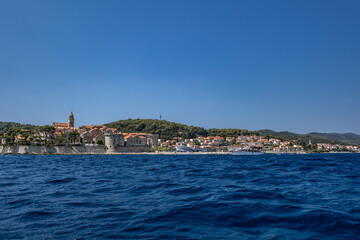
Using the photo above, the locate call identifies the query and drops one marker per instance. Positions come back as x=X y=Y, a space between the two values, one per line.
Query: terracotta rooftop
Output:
x=60 y=124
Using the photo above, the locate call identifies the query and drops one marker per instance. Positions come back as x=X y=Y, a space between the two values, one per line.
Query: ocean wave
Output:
x=180 y=197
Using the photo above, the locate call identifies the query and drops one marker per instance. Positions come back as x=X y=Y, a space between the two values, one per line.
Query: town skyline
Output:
x=74 y=125
x=136 y=136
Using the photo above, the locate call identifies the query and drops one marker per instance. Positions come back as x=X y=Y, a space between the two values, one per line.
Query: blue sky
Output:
x=282 y=65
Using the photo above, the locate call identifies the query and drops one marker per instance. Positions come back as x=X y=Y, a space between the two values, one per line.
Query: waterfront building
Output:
x=230 y=139
x=69 y=125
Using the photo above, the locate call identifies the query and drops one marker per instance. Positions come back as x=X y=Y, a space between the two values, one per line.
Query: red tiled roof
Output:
x=60 y=124
x=96 y=135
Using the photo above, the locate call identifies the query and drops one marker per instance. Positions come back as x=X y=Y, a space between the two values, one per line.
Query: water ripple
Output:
x=180 y=197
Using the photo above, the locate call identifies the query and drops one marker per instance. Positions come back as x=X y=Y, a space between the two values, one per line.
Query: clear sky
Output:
x=282 y=65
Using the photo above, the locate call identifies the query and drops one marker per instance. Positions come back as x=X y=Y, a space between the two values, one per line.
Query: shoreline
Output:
x=160 y=153
x=126 y=153
x=102 y=150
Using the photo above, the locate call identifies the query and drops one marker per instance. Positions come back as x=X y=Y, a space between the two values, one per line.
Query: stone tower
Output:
x=113 y=142
x=71 y=120
x=110 y=142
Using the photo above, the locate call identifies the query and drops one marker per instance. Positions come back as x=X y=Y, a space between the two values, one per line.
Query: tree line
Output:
x=168 y=130
x=5 y=126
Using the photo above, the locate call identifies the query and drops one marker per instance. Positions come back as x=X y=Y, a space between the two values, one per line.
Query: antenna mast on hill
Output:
x=160 y=116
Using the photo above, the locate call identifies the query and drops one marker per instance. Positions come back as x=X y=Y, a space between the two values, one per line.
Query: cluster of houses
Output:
x=203 y=144
x=114 y=140
x=102 y=135
x=337 y=147
x=96 y=134
x=272 y=145
x=269 y=145
x=39 y=137
x=65 y=134
x=217 y=144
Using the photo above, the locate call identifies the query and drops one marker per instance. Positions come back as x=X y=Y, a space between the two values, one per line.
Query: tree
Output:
x=5 y=126
x=46 y=128
x=267 y=136
x=73 y=135
x=168 y=130
x=60 y=140
x=14 y=131
x=139 y=127
x=8 y=140
x=100 y=142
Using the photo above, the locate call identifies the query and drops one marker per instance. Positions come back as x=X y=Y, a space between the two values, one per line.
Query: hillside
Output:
x=165 y=129
x=5 y=126
x=349 y=138
x=168 y=130
x=278 y=134
x=344 y=137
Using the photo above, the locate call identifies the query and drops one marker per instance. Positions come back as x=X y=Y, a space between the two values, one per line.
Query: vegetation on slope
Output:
x=305 y=138
x=351 y=138
x=230 y=132
x=169 y=130
x=5 y=126
x=28 y=136
x=165 y=129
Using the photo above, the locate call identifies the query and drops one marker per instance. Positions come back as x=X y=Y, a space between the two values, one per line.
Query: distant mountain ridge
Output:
x=345 y=137
x=278 y=134
x=342 y=137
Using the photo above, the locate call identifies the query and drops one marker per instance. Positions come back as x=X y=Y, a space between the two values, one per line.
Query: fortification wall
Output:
x=53 y=150
x=133 y=149
x=68 y=150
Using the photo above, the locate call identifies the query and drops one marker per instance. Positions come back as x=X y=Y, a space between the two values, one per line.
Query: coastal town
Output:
x=93 y=137
x=112 y=140
x=228 y=144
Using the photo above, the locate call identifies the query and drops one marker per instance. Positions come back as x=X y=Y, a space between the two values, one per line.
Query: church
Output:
x=69 y=125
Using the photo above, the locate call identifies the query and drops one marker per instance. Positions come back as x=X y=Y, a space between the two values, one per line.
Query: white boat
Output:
x=242 y=152
x=247 y=151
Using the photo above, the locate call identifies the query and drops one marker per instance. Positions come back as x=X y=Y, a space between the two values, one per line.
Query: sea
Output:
x=310 y=196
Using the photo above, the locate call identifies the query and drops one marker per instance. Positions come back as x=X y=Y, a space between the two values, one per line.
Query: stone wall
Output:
x=133 y=149
x=68 y=150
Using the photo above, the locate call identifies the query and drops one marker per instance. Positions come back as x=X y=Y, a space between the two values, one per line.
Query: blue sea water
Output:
x=313 y=196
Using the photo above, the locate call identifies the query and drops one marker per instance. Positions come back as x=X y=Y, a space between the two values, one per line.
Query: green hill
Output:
x=278 y=134
x=315 y=137
x=165 y=129
x=5 y=126
x=168 y=130
x=344 y=137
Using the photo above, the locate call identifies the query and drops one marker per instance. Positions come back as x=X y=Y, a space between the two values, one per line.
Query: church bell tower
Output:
x=71 y=120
